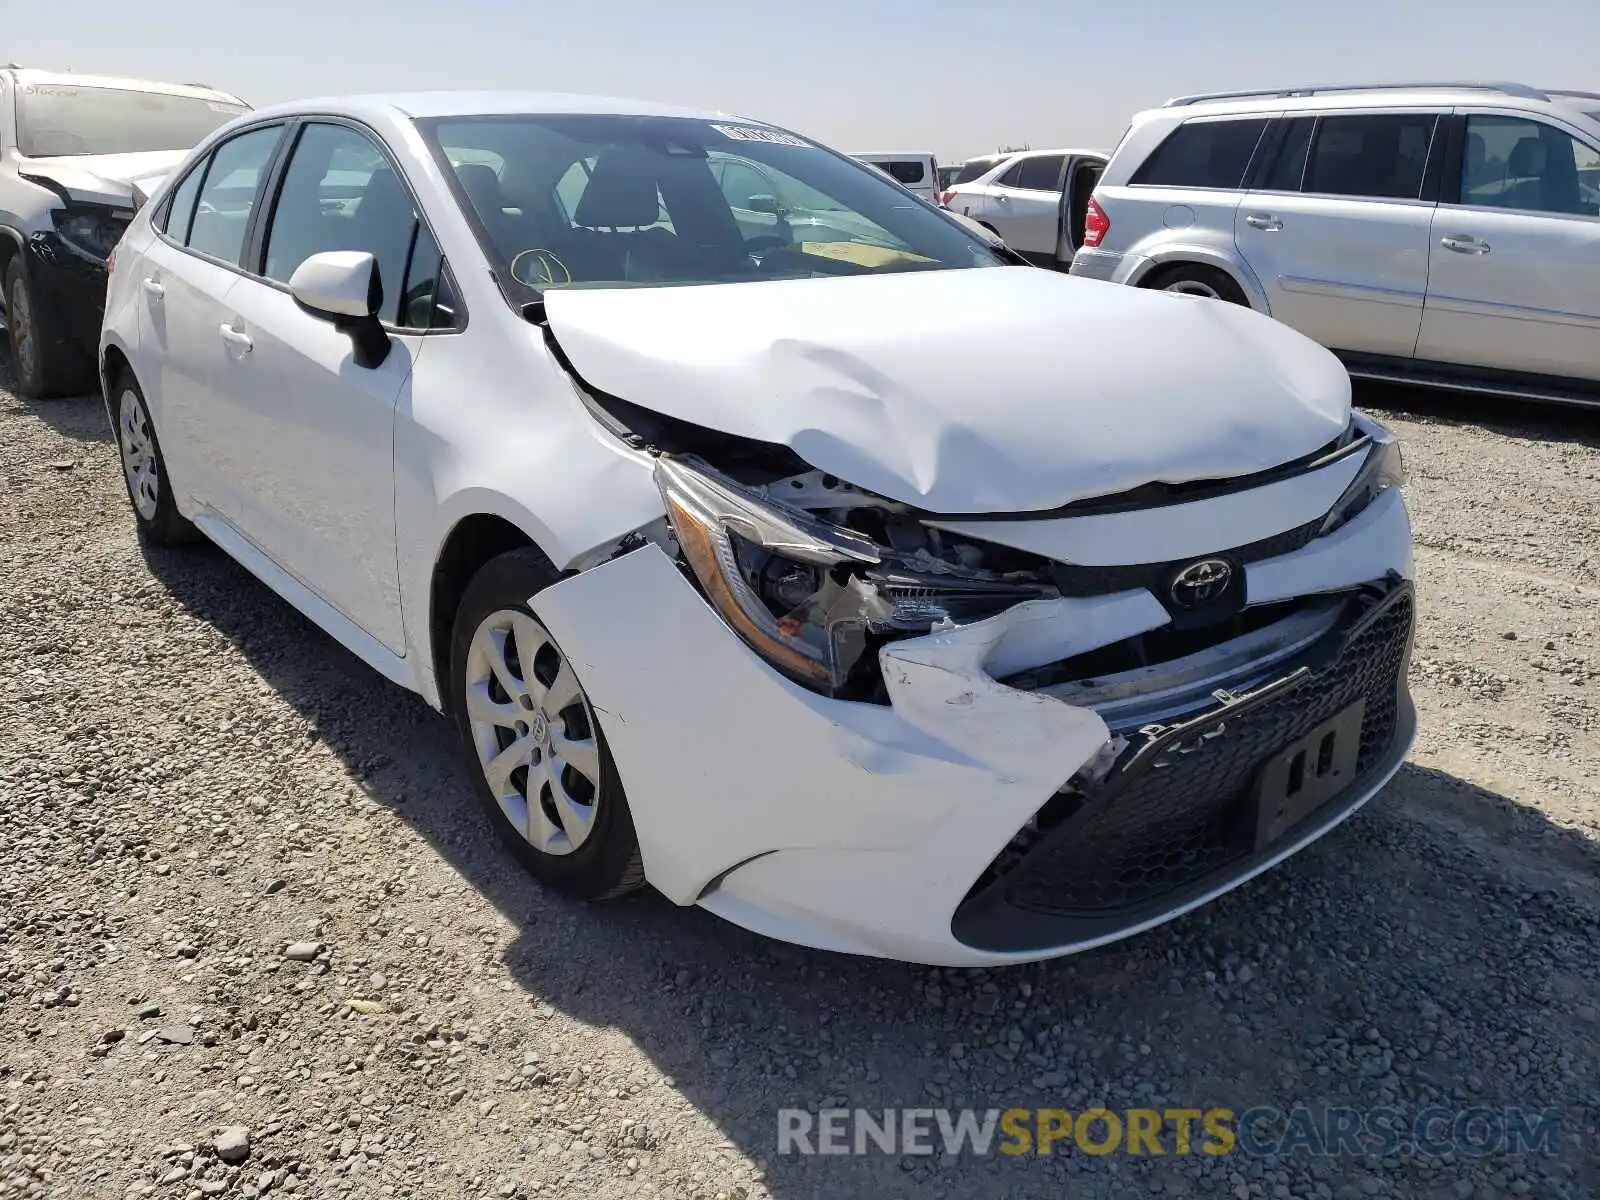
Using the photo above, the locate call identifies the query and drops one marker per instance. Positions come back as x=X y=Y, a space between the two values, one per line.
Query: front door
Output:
x=1515 y=275
x=318 y=495
x=1024 y=205
x=1339 y=236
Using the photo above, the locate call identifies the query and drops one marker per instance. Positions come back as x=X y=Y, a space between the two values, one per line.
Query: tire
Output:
x=1195 y=280
x=44 y=362
x=144 y=468
x=574 y=833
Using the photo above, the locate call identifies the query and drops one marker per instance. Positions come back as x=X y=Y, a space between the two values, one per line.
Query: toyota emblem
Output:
x=1202 y=582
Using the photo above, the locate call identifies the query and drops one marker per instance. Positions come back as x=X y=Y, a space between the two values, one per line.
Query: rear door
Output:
x=1025 y=204
x=1337 y=226
x=1083 y=172
x=1514 y=281
x=186 y=274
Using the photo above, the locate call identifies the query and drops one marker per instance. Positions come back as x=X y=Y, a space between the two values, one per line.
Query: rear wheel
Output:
x=44 y=362
x=144 y=469
x=540 y=765
x=1192 y=279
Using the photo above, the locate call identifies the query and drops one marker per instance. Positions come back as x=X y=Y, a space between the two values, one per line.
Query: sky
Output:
x=933 y=76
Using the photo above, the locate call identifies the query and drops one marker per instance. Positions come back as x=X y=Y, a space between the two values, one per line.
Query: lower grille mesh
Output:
x=1178 y=819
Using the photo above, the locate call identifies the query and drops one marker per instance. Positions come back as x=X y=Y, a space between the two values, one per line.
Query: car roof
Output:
x=916 y=154
x=26 y=76
x=1334 y=99
x=463 y=103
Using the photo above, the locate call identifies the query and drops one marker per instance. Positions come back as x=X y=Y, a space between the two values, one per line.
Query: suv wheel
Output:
x=43 y=361
x=1192 y=279
x=540 y=765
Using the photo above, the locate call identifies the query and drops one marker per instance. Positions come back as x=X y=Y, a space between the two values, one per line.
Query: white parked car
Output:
x=758 y=567
x=74 y=152
x=1036 y=200
x=917 y=173
x=1443 y=234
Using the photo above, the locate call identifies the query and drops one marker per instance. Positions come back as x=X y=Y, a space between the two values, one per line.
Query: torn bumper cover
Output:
x=969 y=822
x=70 y=284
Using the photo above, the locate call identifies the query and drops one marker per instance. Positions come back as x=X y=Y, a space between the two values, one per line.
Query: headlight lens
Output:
x=1383 y=469
x=808 y=596
x=95 y=233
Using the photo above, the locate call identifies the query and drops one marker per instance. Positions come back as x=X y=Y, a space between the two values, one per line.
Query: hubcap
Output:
x=138 y=455
x=1193 y=287
x=20 y=319
x=534 y=732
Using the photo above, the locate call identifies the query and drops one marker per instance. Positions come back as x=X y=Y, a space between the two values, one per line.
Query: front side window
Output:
x=1043 y=173
x=1511 y=162
x=341 y=193
x=65 y=119
x=1382 y=156
x=228 y=194
x=1289 y=163
x=621 y=201
x=1203 y=154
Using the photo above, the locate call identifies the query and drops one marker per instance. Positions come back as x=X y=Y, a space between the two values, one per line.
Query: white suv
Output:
x=797 y=552
x=74 y=150
x=1442 y=234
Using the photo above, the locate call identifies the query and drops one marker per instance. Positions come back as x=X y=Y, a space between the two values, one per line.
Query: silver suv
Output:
x=1445 y=234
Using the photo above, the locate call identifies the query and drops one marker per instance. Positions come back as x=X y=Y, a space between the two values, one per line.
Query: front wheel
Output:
x=1192 y=279
x=44 y=362
x=540 y=764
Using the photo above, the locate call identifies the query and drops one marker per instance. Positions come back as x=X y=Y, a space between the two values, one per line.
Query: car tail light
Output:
x=111 y=261
x=1095 y=224
x=942 y=199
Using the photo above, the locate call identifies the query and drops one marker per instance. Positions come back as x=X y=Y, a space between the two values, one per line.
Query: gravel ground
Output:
x=256 y=939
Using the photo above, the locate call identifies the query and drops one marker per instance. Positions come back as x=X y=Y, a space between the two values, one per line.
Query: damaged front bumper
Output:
x=69 y=291
x=970 y=821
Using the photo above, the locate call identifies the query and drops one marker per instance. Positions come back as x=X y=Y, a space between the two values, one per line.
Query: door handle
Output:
x=238 y=338
x=1264 y=221
x=1462 y=243
x=153 y=288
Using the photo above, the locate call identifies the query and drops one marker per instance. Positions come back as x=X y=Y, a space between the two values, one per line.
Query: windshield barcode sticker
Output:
x=751 y=133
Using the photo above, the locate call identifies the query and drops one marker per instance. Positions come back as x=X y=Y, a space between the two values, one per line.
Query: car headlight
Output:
x=93 y=231
x=1383 y=469
x=808 y=596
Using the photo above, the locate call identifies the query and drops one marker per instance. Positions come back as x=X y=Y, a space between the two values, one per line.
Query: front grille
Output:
x=1176 y=808
x=1075 y=580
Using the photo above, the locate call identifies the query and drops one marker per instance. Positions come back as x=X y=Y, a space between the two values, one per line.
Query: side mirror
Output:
x=764 y=204
x=343 y=286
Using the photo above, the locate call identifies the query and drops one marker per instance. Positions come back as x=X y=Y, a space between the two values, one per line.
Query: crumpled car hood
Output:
x=991 y=390
x=104 y=178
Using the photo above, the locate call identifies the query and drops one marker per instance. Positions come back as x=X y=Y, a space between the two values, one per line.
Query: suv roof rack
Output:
x=1568 y=94
x=1521 y=90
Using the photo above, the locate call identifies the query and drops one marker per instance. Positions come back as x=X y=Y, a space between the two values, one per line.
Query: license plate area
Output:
x=1304 y=776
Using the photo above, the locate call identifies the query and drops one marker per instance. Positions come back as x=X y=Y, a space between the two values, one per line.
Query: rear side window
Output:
x=1203 y=154
x=1289 y=163
x=974 y=168
x=228 y=194
x=906 y=172
x=1041 y=174
x=179 y=209
x=1381 y=156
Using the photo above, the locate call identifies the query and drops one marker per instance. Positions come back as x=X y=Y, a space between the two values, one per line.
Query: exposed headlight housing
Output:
x=95 y=231
x=808 y=596
x=1383 y=469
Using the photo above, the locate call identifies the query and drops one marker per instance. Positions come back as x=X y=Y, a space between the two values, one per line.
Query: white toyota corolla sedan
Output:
x=770 y=537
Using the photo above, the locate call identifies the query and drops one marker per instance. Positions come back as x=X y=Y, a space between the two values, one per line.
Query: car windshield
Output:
x=574 y=201
x=70 y=118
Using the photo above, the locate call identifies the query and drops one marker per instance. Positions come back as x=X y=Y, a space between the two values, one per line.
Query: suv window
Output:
x=1289 y=163
x=228 y=194
x=1380 y=155
x=1204 y=154
x=1509 y=162
x=341 y=193
x=1042 y=174
x=904 y=171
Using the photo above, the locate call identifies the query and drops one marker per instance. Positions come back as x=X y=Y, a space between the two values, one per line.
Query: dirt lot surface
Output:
x=256 y=939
